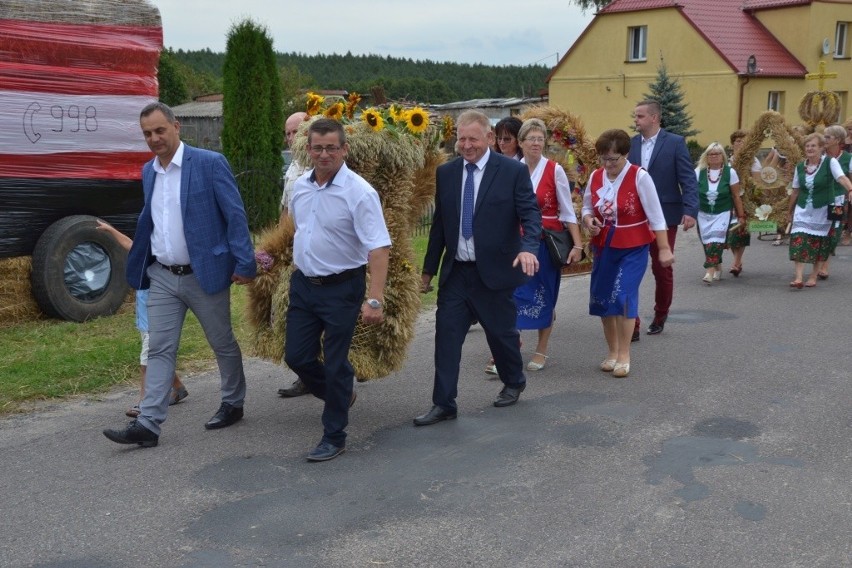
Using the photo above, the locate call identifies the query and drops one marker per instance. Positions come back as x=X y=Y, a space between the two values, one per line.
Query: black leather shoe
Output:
x=135 y=433
x=635 y=336
x=509 y=396
x=656 y=327
x=298 y=388
x=225 y=416
x=325 y=451
x=435 y=415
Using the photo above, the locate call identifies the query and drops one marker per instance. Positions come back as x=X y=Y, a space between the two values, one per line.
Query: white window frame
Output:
x=637 y=43
x=841 y=40
x=775 y=101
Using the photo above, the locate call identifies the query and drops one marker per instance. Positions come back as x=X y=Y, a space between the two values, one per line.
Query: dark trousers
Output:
x=463 y=297
x=321 y=320
x=664 y=279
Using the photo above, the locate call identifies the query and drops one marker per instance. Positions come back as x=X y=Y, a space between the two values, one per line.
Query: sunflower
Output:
x=373 y=119
x=335 y=111
x=417 y=120
x=351 y=105
x=397 y=113
x=314 y=103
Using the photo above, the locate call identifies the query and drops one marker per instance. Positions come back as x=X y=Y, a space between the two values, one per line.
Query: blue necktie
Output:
x=467 y=203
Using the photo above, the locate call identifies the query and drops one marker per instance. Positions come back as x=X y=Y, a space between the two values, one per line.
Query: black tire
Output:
x=78 y=271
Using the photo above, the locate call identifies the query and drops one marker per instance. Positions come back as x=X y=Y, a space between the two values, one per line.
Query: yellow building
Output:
x=733 y=59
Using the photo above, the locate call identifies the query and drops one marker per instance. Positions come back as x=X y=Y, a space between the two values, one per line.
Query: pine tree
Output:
x=253 y=120
x=173 y=90
x=666 y=91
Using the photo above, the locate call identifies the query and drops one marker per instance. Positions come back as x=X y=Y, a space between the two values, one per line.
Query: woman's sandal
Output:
x=797 y=284
x=823 y=275
x=735 y=270
x=533 y=366
x=607 y=365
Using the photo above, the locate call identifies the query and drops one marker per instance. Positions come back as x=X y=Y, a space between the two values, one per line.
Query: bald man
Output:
x=291 y=127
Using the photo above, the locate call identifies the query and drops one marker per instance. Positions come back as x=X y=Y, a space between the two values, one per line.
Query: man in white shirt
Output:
x=294 y=170
x=340 y=230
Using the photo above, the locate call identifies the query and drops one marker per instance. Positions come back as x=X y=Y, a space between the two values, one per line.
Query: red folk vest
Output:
x=545 y=194
x=632 y=224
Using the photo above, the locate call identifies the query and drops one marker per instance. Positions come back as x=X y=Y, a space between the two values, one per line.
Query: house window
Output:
x=775 y=101
x=841 y=39
x=637 y=43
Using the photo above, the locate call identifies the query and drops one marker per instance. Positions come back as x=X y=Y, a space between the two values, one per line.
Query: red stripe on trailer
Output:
x=128 y=49
x=75 y=165
x=65 y=80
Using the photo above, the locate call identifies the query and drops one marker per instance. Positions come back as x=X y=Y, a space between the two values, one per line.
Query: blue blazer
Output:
x=505 y=204
x=673 y=173
x=214 y=223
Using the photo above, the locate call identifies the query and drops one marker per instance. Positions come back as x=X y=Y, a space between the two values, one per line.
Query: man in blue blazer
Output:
x=192 y=241
x=665 y=156
x=485 y=234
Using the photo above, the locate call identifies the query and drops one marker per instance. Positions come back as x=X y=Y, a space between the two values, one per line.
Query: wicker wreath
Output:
x=402 y=170
x=820 y=108
x=777 y=169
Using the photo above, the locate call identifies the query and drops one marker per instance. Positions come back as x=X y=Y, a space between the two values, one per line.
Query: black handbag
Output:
x=559 y=244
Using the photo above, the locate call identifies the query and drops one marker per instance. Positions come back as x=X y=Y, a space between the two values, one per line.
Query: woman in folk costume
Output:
x=835 y=137
x=740 y=238
x=536 y=299
x=718 y=191
x=622 y=212
x=813 y=193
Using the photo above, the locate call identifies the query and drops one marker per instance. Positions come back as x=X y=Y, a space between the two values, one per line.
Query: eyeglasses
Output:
x=330 y=150
x=610 y=159
x=534 y=139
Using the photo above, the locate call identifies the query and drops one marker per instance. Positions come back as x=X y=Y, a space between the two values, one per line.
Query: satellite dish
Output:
x=826 y=46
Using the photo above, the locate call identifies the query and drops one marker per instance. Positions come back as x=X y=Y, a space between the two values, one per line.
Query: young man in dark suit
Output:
x=665 y=156
x=485 y=234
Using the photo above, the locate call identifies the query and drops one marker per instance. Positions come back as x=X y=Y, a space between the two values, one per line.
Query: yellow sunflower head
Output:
x=314 y=103
x=373 y=119
x=335 y=111
x=397 y=113
x=417 y=120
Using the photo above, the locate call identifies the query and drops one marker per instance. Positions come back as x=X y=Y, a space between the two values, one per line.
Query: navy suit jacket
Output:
x=505 y=204
x=673 y=173
x=214 y=223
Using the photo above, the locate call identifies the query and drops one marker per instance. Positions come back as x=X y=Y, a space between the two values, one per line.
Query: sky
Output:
x=493 y=32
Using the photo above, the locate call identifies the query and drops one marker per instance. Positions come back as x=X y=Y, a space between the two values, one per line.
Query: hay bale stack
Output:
x=107 y=12
x=17 y=304
x=401 y=168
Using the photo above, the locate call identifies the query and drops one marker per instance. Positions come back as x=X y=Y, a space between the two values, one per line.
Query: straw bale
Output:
x=106 y=12
x=17 y=304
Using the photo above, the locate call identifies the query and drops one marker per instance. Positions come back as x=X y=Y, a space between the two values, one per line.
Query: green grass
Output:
x=51 y=359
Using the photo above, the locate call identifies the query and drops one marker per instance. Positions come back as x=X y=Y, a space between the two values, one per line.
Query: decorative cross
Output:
x=821 y=76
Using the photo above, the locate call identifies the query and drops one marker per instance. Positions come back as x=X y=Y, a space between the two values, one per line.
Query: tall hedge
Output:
x=252 y=133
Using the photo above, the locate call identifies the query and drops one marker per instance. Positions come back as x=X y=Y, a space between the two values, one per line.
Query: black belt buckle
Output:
x=315 y=280
x=178 y=269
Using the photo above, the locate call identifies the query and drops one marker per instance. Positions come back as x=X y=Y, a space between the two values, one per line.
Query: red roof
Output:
x=734 y=33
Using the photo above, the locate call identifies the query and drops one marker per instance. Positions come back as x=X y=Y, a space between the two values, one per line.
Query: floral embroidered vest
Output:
x=823 y=192
x=632 y=228
x=545 y=193
x=723 y=199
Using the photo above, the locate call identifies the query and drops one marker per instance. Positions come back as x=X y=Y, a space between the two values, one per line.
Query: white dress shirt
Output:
x=337 y=224
x=168 y=242
x=648 y=149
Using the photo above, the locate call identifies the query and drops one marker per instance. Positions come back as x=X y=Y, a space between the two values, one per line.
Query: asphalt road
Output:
x=729 y=445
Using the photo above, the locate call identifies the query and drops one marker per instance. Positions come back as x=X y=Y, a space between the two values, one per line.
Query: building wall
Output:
x=596 y=81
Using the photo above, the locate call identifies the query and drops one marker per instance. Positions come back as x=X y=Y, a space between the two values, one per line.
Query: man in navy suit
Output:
x=485 y=234
x=665 y=156
x=192 y=241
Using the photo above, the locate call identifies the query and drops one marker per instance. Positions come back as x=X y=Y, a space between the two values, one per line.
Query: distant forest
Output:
x=402 y=79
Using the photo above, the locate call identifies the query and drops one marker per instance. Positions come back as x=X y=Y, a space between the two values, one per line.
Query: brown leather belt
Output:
x=335 y=278
x=177 y=269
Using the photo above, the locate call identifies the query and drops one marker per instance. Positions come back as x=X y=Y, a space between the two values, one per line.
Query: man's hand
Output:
x=372 y=315
x=425 y=283
x=687 y=222
x=241 y=280
x=527 y=261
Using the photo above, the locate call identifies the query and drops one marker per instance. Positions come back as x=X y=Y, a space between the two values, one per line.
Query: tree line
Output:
x=422 y=81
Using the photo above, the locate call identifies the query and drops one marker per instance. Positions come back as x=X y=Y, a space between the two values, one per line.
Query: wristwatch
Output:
x=374 y=303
